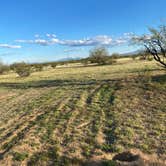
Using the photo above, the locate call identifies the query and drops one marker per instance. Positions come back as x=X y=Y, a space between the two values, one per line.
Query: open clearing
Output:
x=82 y=115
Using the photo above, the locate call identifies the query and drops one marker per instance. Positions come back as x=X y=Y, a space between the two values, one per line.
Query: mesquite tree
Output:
x=154 y=43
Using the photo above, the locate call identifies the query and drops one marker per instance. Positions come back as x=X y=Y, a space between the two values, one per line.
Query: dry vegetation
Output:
x=83 y=115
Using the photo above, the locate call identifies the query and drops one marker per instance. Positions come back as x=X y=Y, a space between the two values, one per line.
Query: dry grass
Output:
x=82 y=115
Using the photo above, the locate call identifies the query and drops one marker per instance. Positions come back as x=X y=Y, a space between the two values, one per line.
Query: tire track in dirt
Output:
x=20 y=136
x=27 y=109
x=14 y=106
x=55 y=113
x=78 y=128
x=58 y=121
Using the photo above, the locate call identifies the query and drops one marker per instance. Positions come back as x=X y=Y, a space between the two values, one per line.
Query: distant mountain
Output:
x=131 y=53
x=69 y=59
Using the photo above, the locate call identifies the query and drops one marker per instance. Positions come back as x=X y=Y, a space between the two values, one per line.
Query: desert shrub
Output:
x=84 y=61
x=115 y=55
x=38 y=67
x=133 y=57
x=4 y=68
x=22 y=69
x=149 y=58
x=53 y=65
x=62 y=63
x=142 y=57
x=145 y=57
x=111 y=61
x=99 y=55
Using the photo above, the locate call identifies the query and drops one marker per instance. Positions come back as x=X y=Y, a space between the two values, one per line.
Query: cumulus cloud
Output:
x=128 y=34
x=103 y=40
x=98 y=40
x=51 y=35
x=120 y=41
x=42 y=42
x=24 y=41
x=55 y=41
x=9 y=46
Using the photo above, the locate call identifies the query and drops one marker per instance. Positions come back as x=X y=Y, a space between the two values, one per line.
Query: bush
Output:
x=4 y=68
x=150 y=58
x=111 y=61
x=115 y=55
x=22 y=69
x=38 y=67
x=85 y=61
x=53 y=65
x=99 y=56
x=134 y=57
x=142 y=57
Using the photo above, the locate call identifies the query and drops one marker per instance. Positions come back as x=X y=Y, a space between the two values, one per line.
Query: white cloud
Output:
x=128 y=35
x=51 y=35
x=93 y=41
x=9 y=46
x=55 y=41
x=37 y=36
x=120 y=41
x=98 y=40
x=42 y=42
x=24 y=41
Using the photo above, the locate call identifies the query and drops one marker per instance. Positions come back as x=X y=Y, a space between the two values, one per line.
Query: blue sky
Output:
x=46 y=30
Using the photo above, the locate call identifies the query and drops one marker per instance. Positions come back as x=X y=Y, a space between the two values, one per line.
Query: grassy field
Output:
x=82 y=115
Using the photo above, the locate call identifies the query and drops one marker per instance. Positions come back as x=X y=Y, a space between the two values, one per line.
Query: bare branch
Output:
x=155 y=44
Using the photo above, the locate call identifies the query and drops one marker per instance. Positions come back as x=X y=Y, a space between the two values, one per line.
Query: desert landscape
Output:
x=71 y=115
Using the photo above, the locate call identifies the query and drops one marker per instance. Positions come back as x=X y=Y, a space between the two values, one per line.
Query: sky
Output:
x=49 y=30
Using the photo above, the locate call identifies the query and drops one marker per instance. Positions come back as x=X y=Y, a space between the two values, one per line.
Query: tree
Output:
x=22 y=69
x=99 y=55
x=155 y=43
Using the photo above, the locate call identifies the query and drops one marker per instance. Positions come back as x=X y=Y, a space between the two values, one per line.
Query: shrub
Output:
x=133 y=57
x=142 y=57
x=115 y=55
x=22 y=69
x=99 y=55
x=4 y=68
x=85 y=61
x=38 y=67
x=150 y=58
x=111 y=61
x=53 y=65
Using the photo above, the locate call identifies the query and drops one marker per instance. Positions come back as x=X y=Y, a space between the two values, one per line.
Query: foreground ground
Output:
x=83 y=115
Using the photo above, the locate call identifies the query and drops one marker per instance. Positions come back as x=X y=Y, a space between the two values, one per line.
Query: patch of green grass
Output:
x=109 y=163
x=20 y=156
